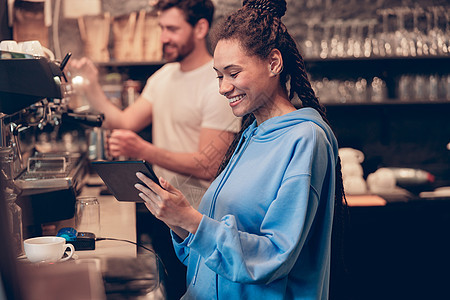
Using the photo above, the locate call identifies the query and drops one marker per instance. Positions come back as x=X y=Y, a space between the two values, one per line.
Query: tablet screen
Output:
x=120 y=177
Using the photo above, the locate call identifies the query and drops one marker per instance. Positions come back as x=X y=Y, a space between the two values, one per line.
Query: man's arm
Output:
x=202 y=164
x=135 y=117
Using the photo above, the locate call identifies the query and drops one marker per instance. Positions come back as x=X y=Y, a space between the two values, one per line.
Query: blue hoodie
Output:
x=267 y=218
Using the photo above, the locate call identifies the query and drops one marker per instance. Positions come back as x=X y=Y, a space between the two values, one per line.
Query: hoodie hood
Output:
x=276 y=126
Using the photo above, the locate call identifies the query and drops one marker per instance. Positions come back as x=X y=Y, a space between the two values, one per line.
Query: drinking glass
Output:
x=378 y=90
x=87 y=215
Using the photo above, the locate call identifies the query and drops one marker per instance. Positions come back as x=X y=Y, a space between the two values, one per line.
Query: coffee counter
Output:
x=114 y=270
x=396 y=249
x=118 y=221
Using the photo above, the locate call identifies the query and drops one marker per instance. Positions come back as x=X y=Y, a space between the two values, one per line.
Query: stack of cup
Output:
x=352 y=172
x=33 y=48
x=29 y=47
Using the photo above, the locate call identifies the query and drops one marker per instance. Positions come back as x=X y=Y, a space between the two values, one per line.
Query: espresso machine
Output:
x=43 y=149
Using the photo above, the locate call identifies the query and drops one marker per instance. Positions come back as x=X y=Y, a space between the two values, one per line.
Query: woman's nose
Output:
x=225 y=87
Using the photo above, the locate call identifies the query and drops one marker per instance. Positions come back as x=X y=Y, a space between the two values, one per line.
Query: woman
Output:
x=263 y=228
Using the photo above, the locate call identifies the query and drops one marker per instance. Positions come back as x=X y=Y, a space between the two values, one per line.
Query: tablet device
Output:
x=120 y=177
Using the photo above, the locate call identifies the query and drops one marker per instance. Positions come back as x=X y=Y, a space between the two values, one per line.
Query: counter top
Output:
x=125 y=274
x=118 y=221
x=365 y=200
x=112 y=271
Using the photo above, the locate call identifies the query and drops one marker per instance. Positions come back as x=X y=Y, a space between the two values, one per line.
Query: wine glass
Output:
x=438 y=34
x=311 y=48
x=385 y=44
x=421 y=46
x=446 y=49
x=401 y=40
x=324 y=43
x=370 y=45
x=357 y=31
x=431 y=37
x=336 y=45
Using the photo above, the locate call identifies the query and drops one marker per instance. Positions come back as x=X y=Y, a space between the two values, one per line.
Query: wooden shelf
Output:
x=129 y=63
x=137 y=70
x=381 y=67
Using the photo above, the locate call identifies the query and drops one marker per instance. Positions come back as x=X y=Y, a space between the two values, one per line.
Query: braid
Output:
x=299 y=81
x=340 y=221
x=302 y=87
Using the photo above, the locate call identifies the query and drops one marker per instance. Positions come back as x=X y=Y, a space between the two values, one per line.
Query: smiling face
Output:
x=245 y=80
x=177 y=35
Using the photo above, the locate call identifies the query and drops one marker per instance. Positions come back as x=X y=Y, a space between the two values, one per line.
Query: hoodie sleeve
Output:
x=249 y=258
x=180 y=246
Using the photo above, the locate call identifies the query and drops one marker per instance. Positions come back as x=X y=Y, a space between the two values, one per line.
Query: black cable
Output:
x=137 y=244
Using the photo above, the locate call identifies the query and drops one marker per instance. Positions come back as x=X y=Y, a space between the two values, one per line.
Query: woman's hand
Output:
x=169 y=205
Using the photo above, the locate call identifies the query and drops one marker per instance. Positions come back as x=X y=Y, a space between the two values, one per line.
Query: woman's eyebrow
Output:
x=227 y=67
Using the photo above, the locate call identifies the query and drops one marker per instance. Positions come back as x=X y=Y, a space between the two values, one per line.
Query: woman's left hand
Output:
x=169 y=205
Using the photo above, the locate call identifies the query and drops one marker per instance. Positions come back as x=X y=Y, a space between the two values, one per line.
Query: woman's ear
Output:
x=201 y=29
x=275 y=62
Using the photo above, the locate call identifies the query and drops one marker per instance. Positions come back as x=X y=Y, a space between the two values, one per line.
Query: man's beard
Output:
x=182 y=51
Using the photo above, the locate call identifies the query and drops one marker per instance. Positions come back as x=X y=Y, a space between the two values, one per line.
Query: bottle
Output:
x=130 y=92
x=15 y=222
x=412 y=177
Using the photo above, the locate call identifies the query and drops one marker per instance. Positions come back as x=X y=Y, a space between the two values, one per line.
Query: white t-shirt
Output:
x=183 y=103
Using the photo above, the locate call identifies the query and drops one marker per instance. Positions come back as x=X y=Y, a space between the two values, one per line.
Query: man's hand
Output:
x=127 y=143
x=88 y=85
x=84 y=67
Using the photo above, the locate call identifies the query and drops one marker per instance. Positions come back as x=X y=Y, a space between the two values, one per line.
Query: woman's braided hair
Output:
x=257 y=26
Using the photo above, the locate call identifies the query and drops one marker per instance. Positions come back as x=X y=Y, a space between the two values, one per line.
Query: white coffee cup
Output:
x=47 y=249
x=9 y=45
x=32 y=47
x=350 y=155
x=381 y=181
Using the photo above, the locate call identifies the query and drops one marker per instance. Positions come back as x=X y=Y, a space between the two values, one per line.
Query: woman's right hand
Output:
x=169 y=205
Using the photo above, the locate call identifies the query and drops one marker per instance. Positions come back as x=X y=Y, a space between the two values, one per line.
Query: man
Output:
x=192 y=124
